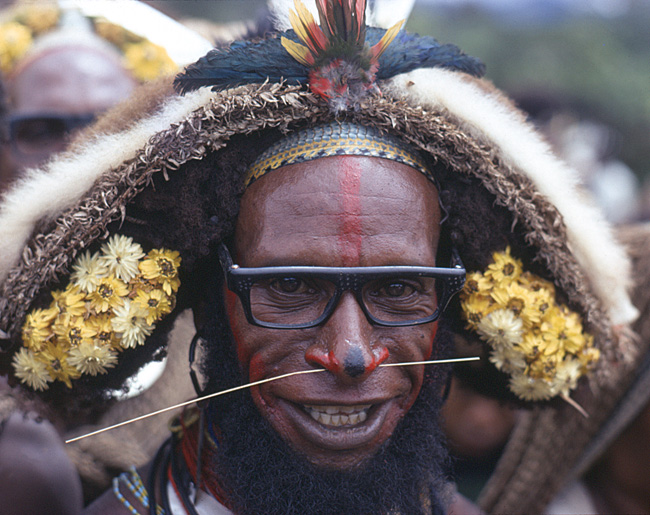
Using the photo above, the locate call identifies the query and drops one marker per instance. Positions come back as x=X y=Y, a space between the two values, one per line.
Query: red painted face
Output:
x=336 y=211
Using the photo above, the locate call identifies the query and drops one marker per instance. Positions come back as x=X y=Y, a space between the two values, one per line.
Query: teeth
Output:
x=339 y=415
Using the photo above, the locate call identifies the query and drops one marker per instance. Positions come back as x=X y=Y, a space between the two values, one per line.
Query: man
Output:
x=321 y=234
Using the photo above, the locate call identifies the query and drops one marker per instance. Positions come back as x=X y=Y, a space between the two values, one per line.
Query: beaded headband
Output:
x=335 y=139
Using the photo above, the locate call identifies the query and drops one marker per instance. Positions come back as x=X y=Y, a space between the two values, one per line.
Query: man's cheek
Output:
x=431 y=341
x=232 y=311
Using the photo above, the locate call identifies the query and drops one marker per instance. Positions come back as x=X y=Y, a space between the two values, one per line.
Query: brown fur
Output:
x=145 y=100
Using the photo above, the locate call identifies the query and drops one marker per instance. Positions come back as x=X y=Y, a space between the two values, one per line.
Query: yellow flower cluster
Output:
x=113 y=301
x=15 y=40
x=541 y=344
x=146 y=60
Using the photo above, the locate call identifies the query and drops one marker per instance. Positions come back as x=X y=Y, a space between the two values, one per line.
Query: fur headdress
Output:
x=431 y=97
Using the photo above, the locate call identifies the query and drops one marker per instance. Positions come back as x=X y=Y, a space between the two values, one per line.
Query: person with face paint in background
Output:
x=66 y=77
x=318 y=229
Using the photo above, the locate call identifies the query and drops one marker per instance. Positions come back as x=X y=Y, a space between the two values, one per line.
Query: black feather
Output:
x=410 y=51
x=246 y=62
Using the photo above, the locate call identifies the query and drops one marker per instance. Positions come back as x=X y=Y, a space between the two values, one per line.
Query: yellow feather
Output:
x=299 y=52
x=386 y=39
x=305 y=15
x=297 y=25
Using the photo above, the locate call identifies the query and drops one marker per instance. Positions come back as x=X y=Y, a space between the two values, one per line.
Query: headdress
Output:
x=333 y=139
x=27 y=28
x=552 y=250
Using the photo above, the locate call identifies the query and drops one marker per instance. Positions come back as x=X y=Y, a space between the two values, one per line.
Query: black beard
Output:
x=261 y=474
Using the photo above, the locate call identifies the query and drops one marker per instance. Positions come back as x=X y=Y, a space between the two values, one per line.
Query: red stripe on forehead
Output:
x=350 y=227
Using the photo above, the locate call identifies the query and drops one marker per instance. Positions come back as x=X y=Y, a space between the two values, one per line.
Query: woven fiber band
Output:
x=334 y=139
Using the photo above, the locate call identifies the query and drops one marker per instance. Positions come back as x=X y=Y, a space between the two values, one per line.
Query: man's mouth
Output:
x=335 y=416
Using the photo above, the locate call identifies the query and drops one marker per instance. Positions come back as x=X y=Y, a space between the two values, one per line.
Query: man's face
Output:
x=336 y=211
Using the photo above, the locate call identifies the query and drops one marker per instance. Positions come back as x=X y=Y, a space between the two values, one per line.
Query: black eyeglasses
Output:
x=298 y=297
x=41 y=134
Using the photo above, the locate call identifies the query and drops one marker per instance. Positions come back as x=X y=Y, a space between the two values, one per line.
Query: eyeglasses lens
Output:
x=302 y=300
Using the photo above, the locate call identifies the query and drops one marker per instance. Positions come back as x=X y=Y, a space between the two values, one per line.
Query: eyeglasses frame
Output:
x=240 y=280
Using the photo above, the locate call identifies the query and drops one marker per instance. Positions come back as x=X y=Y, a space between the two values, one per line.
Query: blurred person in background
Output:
x=62 y=69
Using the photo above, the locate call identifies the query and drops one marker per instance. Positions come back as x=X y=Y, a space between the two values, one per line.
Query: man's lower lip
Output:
x=338 y=437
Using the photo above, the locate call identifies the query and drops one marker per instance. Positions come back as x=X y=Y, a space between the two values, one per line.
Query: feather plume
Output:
x=340 y=59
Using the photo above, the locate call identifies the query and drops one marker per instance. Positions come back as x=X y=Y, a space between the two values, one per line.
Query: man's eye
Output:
x=289 y=285
x=397 y=289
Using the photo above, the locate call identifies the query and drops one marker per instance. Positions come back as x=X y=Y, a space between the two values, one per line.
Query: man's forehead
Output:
x=341 y=184
x=344 y=198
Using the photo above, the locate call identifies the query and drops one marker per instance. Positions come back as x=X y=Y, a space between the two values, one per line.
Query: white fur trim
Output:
x=487 y=118
x=45 y=192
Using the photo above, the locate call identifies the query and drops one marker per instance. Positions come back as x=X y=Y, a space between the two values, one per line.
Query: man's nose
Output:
x=345 y=346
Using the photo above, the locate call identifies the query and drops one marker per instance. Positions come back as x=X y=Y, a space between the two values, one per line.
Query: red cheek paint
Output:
x=256 y=367
x=350 y=224
x=433 y=338
x=231 y=309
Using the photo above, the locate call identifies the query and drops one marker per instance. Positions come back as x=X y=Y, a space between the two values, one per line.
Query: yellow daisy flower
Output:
x=139 y=283
x=109 y=294
x=476 y=307
x=120 y=255
x=70 y=302
x=148 y=61
x=130 y=324
x=504 y=267
x=501 y=328
x=37 y=329
x=15 y=40
x=91 y=358
x=72 y=331
x=532 y=345
x=155 y=303
x=476 y=283
x=30 y=370
x=562 y=331
x=40 y=18
x=537 y=284
x=87 y=271
x=102 y=329
x=161 y=266
x=544 y=367
x=518 y=299
x=59 y=368
x=114 y=33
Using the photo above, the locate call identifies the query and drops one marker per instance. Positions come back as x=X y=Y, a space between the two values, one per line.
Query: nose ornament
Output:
x=355 y=362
